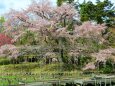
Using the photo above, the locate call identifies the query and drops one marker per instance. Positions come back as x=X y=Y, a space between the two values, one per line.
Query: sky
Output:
x=6 y=5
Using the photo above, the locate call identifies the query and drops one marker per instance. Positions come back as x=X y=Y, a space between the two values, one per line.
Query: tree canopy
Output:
x=60 y=2
x=101 y=12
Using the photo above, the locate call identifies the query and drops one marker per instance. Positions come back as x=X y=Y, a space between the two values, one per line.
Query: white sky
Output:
x=5 y=5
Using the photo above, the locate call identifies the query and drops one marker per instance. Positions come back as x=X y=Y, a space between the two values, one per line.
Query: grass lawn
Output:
x=31 y=72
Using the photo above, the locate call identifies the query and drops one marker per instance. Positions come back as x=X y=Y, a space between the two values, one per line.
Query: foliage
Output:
x=4 y=61
x=108 y=68
x=2 y=20
x=60 y=2
x=101 y=12
x=111 y=37
x=4 y=39
x=27 y=39
x=87 y=11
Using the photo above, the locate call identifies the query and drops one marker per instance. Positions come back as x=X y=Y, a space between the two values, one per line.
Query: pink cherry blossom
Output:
x=103 y=55
x=87 y=29
x=89 y=66
x=52 y=21
x=9 y=50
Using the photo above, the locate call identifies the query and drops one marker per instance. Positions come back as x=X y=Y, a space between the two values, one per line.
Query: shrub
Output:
x=4 y=61
x=111 y=39
x=5 y=39
x=108 y=68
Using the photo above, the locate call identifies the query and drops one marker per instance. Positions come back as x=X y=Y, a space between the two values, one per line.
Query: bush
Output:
x=4 y=61
x=111 y=39
x=109 y=67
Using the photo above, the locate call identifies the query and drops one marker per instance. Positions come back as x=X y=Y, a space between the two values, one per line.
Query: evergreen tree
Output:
x=87 y=11
x=101 y=12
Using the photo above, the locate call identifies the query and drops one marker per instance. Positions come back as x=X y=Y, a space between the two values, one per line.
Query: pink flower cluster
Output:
x=89 y=66
x=103 y=55
x=88 y=29
x=9 y=51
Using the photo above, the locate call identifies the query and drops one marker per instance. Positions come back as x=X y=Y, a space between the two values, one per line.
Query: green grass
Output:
x=32 y=72
x=8 y=80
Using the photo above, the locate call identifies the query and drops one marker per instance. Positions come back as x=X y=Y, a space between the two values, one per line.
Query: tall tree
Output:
x=87 y=11
x=101 y=12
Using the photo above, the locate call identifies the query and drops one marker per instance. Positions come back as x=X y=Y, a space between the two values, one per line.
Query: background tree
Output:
x=87 y=11
x=2 y=20
x=101 y=12
x=60 y=2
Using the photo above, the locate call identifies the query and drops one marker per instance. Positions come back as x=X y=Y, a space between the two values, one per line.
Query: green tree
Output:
x=60 y=2
x=87 y=11
x=101 y=12
x=2 y=20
